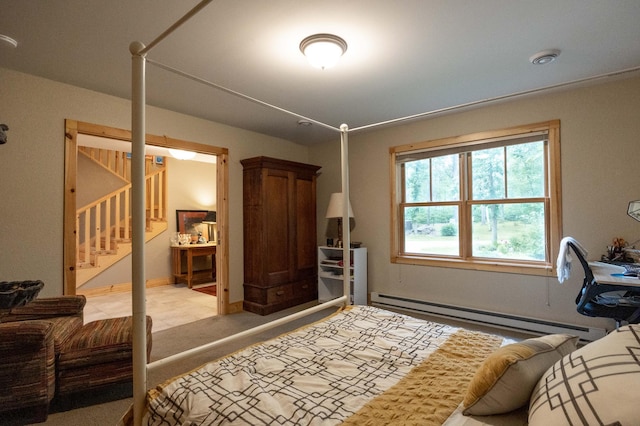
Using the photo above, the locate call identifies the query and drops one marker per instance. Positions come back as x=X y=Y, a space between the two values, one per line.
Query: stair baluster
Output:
x=105 y=224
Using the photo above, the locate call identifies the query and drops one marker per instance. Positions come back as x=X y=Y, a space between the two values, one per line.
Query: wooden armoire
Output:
x=279 y=206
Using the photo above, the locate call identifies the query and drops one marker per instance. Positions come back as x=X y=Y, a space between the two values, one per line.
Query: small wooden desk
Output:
x=190 y=251
x=606 y=273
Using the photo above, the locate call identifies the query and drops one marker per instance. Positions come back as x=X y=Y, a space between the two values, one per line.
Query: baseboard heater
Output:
x=493 y=319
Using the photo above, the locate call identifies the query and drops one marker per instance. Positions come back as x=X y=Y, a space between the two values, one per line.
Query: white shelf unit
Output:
x=330 y=274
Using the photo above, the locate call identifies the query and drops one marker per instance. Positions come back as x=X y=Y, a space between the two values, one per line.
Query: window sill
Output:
x=512 y=267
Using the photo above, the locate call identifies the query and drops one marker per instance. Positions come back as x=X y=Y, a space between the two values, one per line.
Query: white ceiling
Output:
x=405 y=57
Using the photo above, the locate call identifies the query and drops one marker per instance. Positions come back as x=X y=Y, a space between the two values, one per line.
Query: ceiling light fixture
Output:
x=181 y=154
x=8 y=40
x=323 y=50
x=544 y=57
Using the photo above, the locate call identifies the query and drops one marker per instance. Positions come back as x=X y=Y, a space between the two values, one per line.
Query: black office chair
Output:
x=593 y=300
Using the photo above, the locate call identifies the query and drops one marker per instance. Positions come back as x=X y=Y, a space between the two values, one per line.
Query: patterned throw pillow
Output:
x=505 y=380
x=595 y=385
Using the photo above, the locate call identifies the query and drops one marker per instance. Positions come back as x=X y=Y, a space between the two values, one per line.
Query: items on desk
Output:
x=632 y=253
x=615 y=252
x=631 y=270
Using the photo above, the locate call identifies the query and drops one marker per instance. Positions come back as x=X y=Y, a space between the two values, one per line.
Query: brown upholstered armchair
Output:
x=30 y=338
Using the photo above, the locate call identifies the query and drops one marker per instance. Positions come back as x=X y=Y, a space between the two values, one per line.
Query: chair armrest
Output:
x=27 y=370
x=19 y=335
x=48 y=307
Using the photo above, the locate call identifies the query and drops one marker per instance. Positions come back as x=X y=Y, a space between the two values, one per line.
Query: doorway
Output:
x=75 y=130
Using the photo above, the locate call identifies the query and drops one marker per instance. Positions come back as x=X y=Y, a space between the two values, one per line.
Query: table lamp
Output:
x=210 y=220
x=334 y=211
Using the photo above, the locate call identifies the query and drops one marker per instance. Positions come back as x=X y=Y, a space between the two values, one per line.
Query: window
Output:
x=488 y=201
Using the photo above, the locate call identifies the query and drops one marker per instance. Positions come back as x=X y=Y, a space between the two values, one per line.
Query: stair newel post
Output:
x=107 y=225
x=127 y=215
x=117 y=218
x=162 y=214
x=152 y=197
x=96 y=228
x=77 y=237
x=87 y=236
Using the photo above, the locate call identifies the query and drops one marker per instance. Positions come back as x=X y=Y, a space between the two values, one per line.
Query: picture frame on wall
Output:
x=190 y=222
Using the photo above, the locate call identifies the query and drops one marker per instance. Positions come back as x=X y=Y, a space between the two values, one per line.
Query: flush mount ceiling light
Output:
x=544 y=57
x=323 y=50
x=181 y=154
x=8 y=40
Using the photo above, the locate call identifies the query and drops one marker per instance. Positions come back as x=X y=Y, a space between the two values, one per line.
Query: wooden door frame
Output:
x=73 y=128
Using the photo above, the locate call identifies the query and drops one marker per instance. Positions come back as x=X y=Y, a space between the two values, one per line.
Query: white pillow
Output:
x=598 y=384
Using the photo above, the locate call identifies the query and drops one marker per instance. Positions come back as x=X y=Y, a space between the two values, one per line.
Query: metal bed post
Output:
x=138 y=138
x=138 y=305
x=346 y=228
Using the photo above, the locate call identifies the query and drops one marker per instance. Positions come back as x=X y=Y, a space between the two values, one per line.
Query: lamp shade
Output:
x=634 y=210
x=211 y=217
x=335 y=206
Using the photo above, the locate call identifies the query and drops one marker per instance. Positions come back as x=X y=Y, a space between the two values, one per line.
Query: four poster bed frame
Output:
x=138 y=131
x=139 y=61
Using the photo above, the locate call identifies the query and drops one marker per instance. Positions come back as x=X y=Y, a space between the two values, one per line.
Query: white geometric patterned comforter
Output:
x=318 y=375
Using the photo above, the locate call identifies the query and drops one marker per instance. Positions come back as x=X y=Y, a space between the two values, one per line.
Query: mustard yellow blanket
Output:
x=431 y=391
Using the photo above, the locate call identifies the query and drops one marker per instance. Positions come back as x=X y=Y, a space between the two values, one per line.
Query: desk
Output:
x=190 y=251
x=602 y=272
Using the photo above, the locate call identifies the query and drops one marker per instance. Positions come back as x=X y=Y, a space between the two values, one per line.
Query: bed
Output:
x=348 y=368
x=367 y=366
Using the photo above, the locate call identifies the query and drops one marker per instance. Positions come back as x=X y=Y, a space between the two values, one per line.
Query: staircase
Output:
x=104 y=226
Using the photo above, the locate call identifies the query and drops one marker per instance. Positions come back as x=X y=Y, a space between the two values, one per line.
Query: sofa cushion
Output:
x=99 y=342
x=63 y=329
x=99 y=354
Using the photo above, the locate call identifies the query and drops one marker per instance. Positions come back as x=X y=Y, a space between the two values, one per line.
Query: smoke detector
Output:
x=544 y=57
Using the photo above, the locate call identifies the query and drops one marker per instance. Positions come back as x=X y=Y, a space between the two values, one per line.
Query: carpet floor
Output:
x=108 y=406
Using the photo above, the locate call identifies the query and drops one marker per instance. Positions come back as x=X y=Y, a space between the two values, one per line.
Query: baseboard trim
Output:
x=122 y=288
x=493 y=319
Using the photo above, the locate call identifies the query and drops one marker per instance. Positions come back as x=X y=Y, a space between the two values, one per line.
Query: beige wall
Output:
x=600 y=174
x=32 y=171
x=600 y=142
